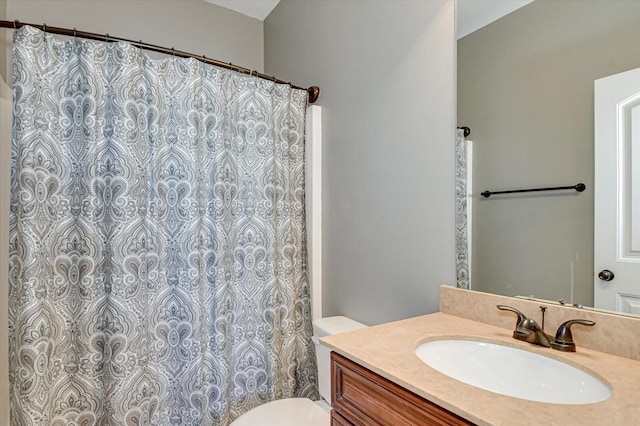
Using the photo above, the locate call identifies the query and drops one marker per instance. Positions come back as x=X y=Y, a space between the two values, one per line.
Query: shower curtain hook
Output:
x=75 y=34
x=106 y=37
x=15 y=24
x=173 y=52
x=44 y=27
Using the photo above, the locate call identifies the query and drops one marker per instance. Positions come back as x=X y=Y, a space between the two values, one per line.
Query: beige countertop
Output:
x=388 y=350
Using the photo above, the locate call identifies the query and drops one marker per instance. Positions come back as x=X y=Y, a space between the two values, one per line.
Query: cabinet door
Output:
x=338 y=420
x=363 y=398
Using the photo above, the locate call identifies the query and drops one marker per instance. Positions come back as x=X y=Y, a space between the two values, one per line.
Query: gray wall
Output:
x=191 y=25
x=386 y=73
x=525 y=87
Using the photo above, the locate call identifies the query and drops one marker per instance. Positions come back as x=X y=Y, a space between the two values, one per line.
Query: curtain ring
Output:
x=44 y=27
x=173 y=52
x=106 y=37
x=75 y=33
x=15 y=24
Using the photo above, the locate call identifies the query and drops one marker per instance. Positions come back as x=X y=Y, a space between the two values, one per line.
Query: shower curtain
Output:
x=157 y=240
x=463 y=212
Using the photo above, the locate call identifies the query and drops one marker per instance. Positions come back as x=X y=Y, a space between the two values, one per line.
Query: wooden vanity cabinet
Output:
x=362 y=398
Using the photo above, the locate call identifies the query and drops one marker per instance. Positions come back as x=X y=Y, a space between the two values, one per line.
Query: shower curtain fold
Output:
x=157 y=238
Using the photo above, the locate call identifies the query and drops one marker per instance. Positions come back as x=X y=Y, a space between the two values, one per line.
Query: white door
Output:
x=617 y=192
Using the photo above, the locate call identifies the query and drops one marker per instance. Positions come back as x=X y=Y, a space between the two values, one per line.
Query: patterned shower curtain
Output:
x=463 y=219
x=157 y=244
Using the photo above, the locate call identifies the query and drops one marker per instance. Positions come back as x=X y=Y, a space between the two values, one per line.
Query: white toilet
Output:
x=303 y=411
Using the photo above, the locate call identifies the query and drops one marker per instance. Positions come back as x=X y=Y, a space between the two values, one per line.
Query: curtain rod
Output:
x=313 y=91
x=466 y=130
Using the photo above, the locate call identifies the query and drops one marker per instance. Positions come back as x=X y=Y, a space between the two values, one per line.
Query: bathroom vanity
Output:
x=362 y=397
x=377 y=379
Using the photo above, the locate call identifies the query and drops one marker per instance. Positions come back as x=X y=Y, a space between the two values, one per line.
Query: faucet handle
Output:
x=521 y=317
x=564 y=338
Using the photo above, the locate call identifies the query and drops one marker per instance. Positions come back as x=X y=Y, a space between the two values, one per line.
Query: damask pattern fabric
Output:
x=157 y=260
x=462 y=214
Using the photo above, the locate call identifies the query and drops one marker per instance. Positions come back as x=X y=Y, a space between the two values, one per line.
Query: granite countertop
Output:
x=388 y=350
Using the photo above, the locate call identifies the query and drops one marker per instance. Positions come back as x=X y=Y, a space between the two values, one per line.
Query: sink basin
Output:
x=512 y=372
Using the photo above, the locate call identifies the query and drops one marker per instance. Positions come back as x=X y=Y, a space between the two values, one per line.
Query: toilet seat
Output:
x=285 y=412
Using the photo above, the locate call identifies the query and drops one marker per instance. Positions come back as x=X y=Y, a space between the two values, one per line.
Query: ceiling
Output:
x=258 y=9
x=471 y=15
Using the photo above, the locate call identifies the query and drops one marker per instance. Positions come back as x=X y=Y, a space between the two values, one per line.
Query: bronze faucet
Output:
x=528 y=330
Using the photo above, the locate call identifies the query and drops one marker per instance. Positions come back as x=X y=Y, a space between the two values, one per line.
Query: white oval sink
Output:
x=513 y=372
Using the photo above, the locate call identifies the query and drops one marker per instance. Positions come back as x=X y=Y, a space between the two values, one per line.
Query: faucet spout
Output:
x=527 y=329
x=530 y=332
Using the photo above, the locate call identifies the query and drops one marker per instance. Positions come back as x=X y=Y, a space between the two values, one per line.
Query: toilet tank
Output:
x=327 y=327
